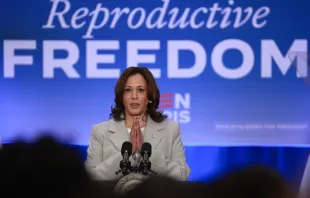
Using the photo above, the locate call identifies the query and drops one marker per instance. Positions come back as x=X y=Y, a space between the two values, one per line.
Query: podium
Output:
x=129 y=182
x=132 y=175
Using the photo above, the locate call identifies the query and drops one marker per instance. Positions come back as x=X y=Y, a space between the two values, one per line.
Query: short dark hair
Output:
x=153 y=95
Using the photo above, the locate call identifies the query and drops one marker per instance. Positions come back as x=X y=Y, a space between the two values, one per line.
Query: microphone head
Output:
x=146 y=148
x=127 y=146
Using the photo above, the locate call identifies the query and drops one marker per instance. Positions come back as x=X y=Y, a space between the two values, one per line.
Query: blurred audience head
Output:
x=255 y=182
x=45 y=168
x=158 y=187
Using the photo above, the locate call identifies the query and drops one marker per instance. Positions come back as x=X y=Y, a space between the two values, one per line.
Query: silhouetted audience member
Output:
x=160 y=187
x=254 y=182
x=45 y=168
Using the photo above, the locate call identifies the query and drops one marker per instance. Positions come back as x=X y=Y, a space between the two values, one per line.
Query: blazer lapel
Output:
x=120 y=134
x=154 y=132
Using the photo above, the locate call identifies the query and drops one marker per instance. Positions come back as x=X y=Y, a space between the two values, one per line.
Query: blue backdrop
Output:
x=224 y=69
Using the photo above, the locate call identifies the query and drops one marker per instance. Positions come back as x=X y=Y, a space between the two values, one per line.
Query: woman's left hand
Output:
x=140 y=139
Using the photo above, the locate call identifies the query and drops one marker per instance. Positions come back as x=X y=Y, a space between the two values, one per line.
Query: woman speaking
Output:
x=135 y=118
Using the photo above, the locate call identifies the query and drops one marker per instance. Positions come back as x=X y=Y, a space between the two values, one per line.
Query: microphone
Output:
x=125 y=164
x=145 y=165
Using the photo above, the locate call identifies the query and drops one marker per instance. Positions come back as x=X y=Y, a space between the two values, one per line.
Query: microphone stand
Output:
x=145 y=167
x=125 y=166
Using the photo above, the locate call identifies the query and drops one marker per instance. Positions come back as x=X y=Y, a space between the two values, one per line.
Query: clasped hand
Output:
x=136 y=136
